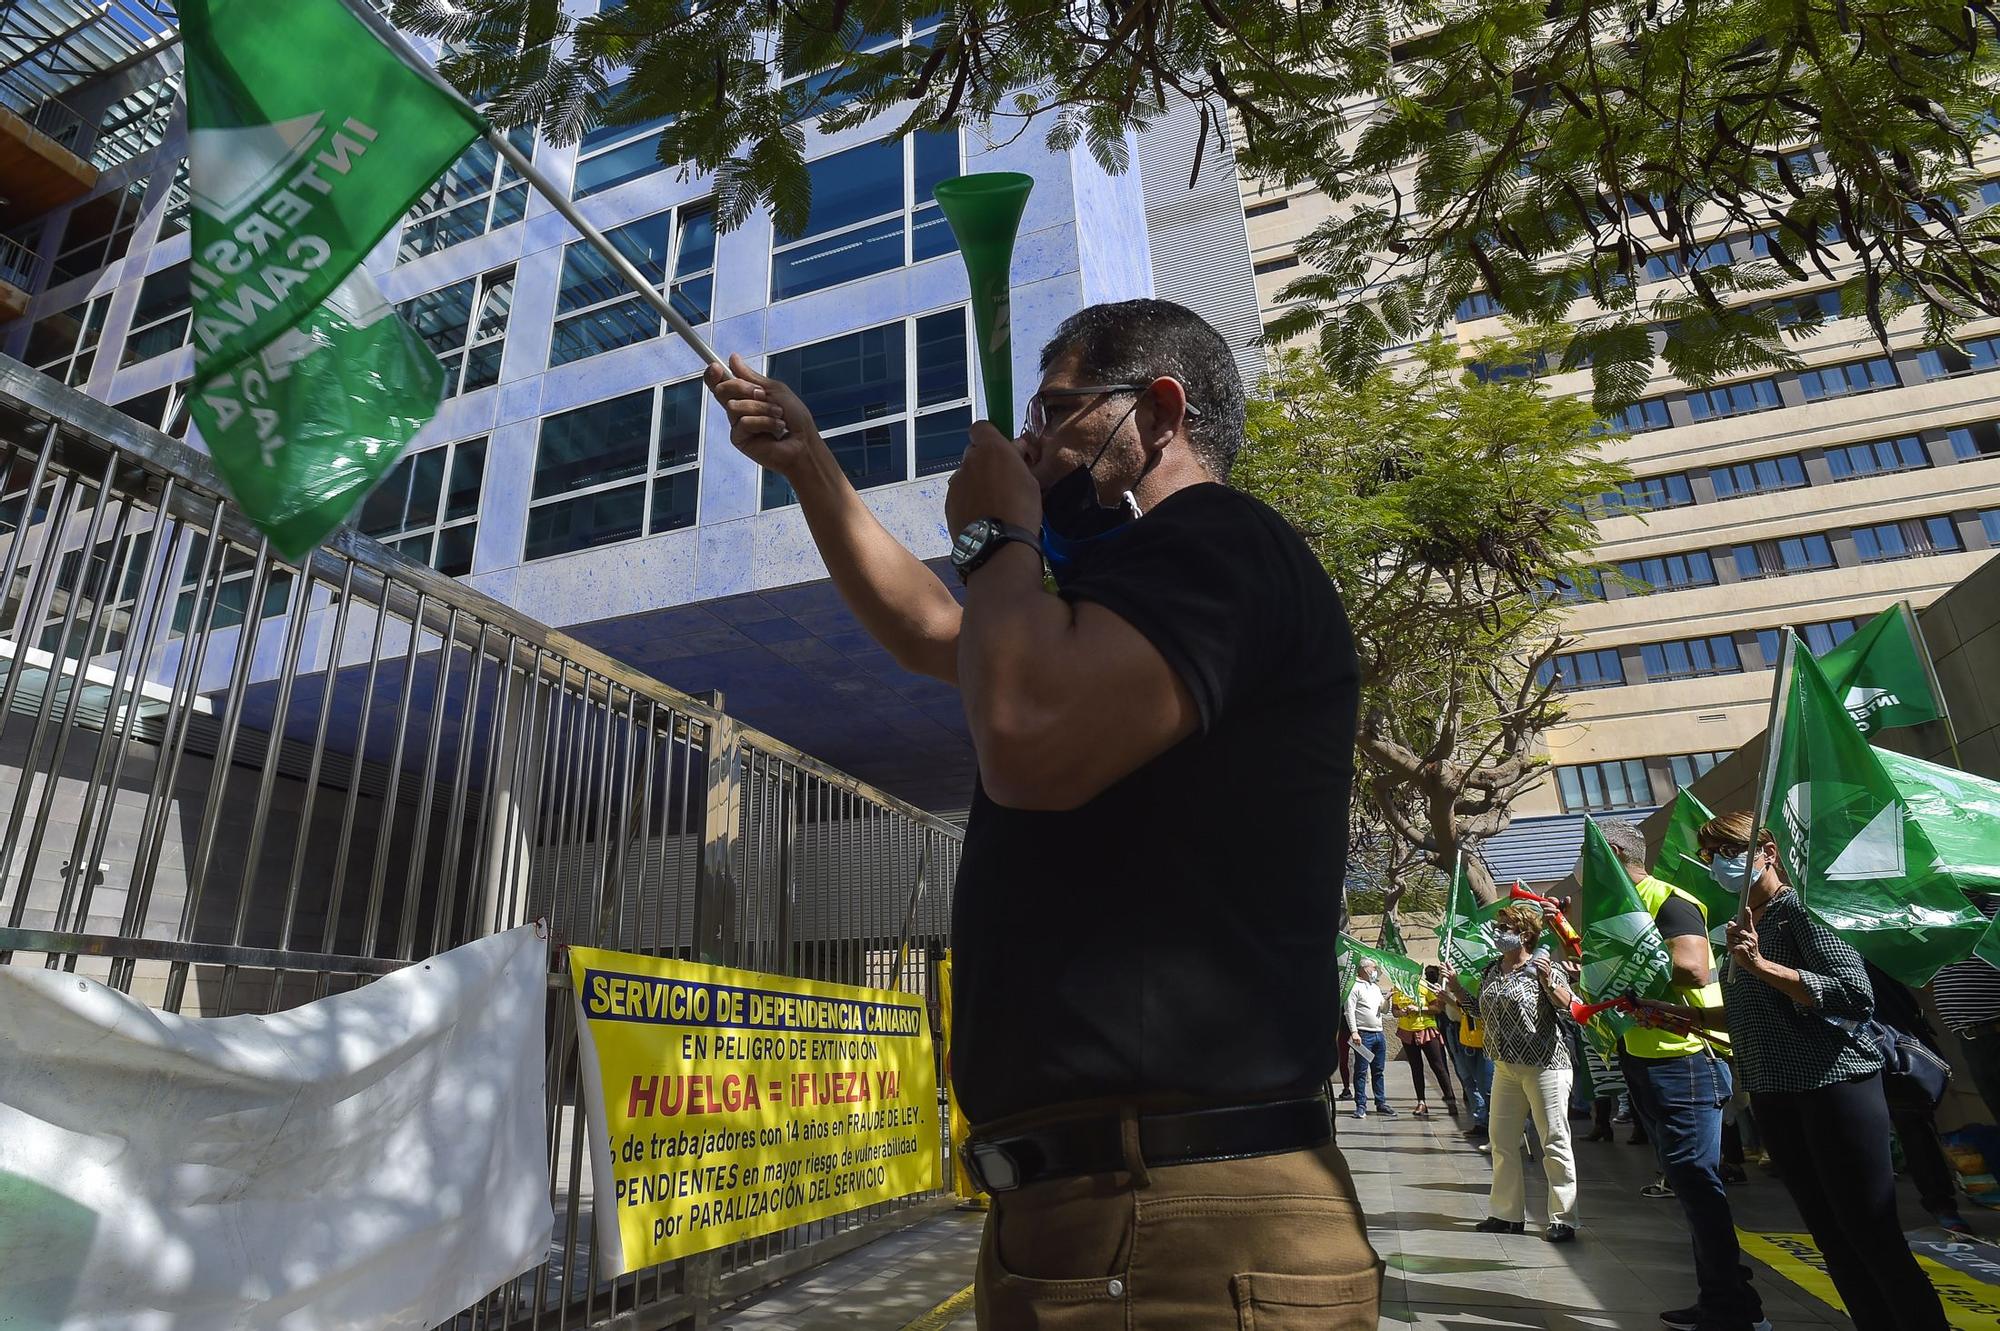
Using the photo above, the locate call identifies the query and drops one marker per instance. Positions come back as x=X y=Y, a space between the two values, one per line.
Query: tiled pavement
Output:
x=1423 y=1189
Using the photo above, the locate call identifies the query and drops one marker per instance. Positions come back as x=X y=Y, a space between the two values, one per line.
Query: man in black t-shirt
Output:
x=1145 y=998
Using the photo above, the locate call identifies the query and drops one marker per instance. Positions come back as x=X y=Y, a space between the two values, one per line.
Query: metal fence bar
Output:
x=93 y=824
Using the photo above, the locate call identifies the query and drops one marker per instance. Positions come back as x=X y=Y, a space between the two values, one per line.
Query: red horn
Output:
x=1519 y=893
x=1582 y=1012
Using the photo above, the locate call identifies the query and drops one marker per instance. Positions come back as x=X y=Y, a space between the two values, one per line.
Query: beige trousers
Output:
x=1518 y=1091
x=1276 y=1243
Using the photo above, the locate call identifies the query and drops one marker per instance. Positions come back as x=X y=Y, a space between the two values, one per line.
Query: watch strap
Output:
x=1000 y=533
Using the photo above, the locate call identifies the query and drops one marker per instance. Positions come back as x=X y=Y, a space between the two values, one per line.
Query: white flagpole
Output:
x=1774 y=736
x=386 y=32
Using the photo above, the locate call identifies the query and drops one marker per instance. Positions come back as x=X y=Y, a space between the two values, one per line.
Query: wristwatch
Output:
x=981 y=537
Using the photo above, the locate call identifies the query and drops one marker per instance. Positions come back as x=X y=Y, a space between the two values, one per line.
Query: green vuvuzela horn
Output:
x=984 y=212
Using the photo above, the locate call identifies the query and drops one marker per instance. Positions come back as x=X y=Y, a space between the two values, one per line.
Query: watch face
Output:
x=971 y=541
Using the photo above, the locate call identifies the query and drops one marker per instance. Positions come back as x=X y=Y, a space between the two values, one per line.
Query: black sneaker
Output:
x=1493 y=1224
x=1476 y=1133
x=1560 y=1233
x=1689 y=1319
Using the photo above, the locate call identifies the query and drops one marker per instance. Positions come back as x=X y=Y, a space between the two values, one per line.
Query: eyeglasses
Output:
x=1037 y=423
x=1728 y=850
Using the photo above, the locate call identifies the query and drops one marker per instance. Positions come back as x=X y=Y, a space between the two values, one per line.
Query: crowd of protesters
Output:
x=1775 y=1030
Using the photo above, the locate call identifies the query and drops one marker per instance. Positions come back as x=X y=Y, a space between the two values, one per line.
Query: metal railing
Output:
x=232 y=784
x=53 y=118
x=20 y=267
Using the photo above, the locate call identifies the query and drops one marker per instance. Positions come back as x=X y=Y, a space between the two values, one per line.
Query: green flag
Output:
x=1392 y=936
x=307 y=140
x=1465 y=938
x=1405 y=974
x=1623 y=952
x=1859 y=861
x=1958 y=811
x=1680 y=865
x=1880 y=674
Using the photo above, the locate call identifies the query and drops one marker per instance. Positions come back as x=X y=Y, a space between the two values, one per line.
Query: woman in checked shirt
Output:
x=1791 y=992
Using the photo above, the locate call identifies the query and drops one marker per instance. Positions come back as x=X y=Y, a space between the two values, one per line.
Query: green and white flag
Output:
x=1465 y=938
x=1880 y=674
x=1960 y=813
x=1680 y=865
x=1392 y=936
x=1858 y=859
x=1403 y=973
x=308 y=139
x=1623 y=952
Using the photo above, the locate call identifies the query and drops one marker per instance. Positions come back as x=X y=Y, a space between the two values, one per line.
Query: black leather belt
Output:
x=1095 y=1145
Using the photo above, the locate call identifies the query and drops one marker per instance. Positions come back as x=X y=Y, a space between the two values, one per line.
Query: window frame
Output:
x=911 y=208
x=1654 y=589
x=89 y=340
x=1780 y=568
x=115 y=243
x=645 y=480
x=1620 y=501
x=432 y=532
x=483 y=285
x=670 y=286
x=912 y=411
x=1693 y=669
x=1705 y=397
x=1867 y=365
x=503 y=179
x=1574 y=772
x=919 y=26
x=1896 y=444
x=1552 y=671
x=617 y=139
x=1691 y=762
x=1777 y=462
x=126 y=351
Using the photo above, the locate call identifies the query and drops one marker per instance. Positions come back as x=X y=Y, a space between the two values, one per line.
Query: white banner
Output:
x=375 y=1160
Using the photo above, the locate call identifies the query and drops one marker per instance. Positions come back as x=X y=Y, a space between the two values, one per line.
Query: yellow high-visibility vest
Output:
x=1651 y=1041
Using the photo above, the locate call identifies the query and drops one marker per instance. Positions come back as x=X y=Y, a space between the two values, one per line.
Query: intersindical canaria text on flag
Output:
x=726 y=1104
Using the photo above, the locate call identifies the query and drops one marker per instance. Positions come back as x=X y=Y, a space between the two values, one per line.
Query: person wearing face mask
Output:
x=1366 y=1004
x=1417 y=1031
x=1679 y=1082
x=1145 y=1000
x=1524 y=999
x=1791 y=992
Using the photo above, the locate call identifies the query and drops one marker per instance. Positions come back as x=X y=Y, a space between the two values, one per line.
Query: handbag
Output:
x=1912 y=1074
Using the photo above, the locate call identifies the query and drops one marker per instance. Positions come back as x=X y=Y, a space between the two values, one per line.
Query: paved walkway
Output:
x=1423 y=1188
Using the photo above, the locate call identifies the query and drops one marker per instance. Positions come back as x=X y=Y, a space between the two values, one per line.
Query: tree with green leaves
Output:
x=1577 y=162
x=1446 y=509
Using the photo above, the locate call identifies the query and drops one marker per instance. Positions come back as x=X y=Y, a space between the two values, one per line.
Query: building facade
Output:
x=1810 y=498
x=577 y=470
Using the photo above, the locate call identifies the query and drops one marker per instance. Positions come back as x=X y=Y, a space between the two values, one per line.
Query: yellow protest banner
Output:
x=724 y=1104
x=1970 y=1303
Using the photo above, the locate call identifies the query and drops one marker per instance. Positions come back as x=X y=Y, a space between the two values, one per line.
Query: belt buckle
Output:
x=991 y=1166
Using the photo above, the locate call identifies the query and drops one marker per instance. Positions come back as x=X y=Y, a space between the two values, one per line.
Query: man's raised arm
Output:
x=902 y=604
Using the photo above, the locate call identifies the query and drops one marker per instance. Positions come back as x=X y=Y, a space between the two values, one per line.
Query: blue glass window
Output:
x=1744 y=478
x=893 y=402
x=594 y=467
x=872 y=212
x=1734 y=399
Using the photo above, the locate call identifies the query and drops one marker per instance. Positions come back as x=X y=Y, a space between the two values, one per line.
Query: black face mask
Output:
x=1073 y=519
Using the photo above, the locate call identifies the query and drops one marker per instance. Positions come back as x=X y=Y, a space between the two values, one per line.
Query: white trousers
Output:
x=1518 y=1091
